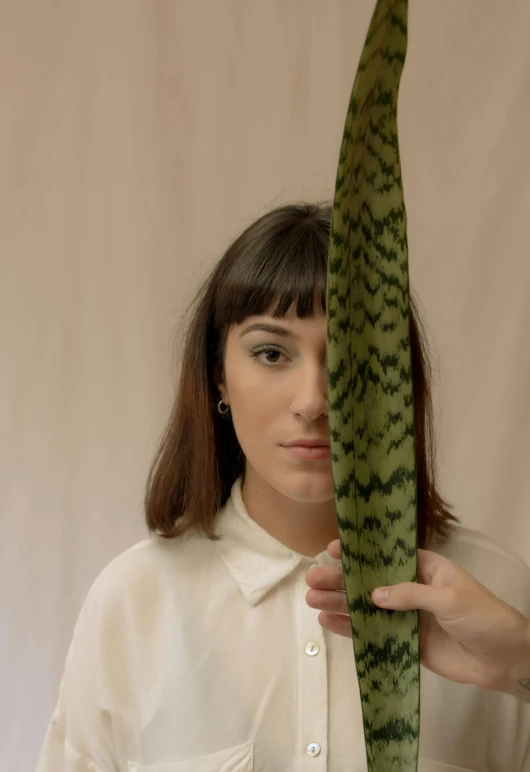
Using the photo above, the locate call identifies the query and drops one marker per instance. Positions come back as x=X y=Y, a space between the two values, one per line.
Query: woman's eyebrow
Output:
x=274 y=329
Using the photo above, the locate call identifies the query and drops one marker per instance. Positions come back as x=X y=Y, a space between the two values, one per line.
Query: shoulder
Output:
x=146 y=573
x=497 y=568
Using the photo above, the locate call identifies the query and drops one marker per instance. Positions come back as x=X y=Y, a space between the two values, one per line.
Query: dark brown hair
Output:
x=278 y=261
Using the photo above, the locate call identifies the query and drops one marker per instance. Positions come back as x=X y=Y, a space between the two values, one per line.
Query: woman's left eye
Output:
x=271 y=353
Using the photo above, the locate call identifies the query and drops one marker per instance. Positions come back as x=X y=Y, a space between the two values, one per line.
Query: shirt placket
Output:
x=312 y=750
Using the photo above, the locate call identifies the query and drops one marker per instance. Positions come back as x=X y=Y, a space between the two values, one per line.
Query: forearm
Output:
x=518 y=680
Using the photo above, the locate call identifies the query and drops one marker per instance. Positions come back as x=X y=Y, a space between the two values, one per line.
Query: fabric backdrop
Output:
x=137 y=137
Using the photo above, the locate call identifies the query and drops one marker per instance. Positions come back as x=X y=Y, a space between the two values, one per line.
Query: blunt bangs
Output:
x=277 y=264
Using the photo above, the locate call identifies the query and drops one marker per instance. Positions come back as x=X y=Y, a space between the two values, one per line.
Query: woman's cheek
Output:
x=254 y=414
x=255 y=417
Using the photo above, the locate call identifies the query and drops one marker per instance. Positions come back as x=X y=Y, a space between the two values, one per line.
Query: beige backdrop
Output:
x=136 y=138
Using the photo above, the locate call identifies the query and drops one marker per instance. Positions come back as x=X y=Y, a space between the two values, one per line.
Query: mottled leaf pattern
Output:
x=370 y=395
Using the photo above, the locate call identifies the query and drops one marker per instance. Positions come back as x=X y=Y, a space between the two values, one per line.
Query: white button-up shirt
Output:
x=197 y=656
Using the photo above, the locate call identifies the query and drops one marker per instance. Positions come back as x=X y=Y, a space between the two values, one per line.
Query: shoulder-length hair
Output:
x=278 y=261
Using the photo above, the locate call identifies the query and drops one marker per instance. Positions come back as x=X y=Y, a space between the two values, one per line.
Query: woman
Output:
x=195 y=650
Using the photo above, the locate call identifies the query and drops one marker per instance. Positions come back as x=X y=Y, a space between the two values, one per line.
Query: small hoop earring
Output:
x=222 y=407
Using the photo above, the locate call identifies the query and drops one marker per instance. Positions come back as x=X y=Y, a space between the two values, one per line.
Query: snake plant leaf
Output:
x=370 y=395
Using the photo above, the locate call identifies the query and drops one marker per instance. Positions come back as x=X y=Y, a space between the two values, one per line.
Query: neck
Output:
x=305 y=528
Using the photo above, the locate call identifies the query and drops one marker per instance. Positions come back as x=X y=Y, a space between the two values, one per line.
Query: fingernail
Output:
x=381 y=594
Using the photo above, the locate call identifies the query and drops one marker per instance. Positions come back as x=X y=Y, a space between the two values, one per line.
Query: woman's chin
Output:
x=308 y=487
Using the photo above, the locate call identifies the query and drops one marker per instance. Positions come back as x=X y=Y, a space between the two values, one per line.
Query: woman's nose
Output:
x=310 y=398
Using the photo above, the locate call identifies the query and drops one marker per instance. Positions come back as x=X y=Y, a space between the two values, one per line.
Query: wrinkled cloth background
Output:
x=137 y=138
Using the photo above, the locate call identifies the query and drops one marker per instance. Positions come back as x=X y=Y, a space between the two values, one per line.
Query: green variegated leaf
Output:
x=370 y=395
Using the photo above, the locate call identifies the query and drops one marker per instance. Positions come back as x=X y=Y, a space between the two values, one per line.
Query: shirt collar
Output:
x=256 y=560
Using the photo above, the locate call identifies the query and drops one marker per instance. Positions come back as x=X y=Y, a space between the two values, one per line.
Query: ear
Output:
x=219 y=382
x=223 y=392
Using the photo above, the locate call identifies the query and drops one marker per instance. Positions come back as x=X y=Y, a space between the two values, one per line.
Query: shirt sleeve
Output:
x=57 y=753
x=526 y=760
x=79 y=737
x=522 y=603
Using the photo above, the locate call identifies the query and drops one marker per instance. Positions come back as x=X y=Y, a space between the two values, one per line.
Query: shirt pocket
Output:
x=424 y=765
x=240 y=758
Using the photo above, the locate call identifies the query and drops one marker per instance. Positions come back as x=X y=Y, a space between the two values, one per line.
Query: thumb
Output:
x=411 y=595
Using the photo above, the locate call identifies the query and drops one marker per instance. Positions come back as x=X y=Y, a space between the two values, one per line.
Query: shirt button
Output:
x=312 y=648
x=313 y=749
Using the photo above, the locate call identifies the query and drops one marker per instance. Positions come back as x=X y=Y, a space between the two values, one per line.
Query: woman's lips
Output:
x=308 y=453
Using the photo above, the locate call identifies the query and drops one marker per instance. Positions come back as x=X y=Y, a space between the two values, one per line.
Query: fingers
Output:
x=334 y=602
x=433 y=569
x=325 y=578
x=327 y=594
x=440 y=601
x=334 y=549
x=336 y=623
x=434 y=592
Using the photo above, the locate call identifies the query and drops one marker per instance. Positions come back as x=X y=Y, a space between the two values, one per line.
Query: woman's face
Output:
x=275 y=384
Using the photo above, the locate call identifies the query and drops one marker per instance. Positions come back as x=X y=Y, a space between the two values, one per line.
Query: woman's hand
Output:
x=467 y=634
